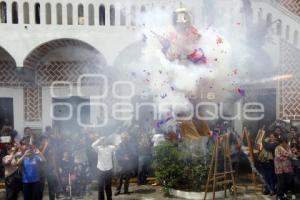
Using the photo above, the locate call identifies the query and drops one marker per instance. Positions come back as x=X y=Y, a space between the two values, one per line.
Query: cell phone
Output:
x=5 y=139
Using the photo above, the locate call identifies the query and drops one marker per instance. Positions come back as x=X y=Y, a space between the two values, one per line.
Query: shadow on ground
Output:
x=144 y=191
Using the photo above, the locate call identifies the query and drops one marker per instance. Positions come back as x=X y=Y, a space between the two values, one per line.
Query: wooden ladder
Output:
x=221 y=178
x=250 y=154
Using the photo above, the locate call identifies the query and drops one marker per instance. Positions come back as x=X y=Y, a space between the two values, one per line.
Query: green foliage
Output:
x=180 y=165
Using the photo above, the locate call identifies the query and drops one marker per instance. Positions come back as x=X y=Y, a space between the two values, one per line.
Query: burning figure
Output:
x=182 y=44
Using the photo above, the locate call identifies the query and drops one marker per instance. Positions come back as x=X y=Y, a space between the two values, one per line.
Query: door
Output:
x=68 y=108
x=6 y=112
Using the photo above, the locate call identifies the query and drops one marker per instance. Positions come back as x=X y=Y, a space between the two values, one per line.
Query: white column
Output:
x=21 y=12
x=9 y=12
x=86 y=14
x=75 y=14
x=107 y=15
x=117 y=15
x=31 y=13
x=64 y=14
x=53 y=14
x=18 y=109
x=46 y=107
x=127 y=15
x=42 y=13
x=137 y=15
x=96 y=14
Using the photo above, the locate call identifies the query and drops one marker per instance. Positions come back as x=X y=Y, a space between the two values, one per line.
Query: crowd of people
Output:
x=69 y=164
x=278 y=160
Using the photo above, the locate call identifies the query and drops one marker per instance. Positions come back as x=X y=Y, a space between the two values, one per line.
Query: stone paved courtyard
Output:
x=148 y=192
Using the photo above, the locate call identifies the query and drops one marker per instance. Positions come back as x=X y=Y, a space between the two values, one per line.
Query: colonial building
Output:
x=38 y=40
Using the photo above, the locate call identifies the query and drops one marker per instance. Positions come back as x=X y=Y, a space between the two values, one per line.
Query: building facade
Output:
x=38 y=40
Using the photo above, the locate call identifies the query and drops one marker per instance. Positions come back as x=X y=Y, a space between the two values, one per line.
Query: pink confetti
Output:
x=219 y=40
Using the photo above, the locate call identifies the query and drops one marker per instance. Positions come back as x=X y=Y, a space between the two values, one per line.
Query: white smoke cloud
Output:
x=224 y=42
x=172 y=81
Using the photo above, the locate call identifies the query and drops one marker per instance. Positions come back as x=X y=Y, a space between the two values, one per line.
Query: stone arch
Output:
x=66 y=60
x=123 y=62
x=129 y=54
x=11 y=82
x=40 y=53
x=4 y=55
x=8 y=70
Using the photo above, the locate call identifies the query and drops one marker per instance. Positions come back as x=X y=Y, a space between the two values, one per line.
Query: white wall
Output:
x=20 y=39
x=278 y=12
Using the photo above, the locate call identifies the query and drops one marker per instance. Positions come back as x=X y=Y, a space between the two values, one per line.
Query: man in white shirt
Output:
x=105 y=151
x=157 y=139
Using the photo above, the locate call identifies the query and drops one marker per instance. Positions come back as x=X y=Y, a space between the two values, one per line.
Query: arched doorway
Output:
x=145 y=111
x=11 y=101
x=58 y=67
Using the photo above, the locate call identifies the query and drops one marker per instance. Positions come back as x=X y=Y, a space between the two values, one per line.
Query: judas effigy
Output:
x=181 y=44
